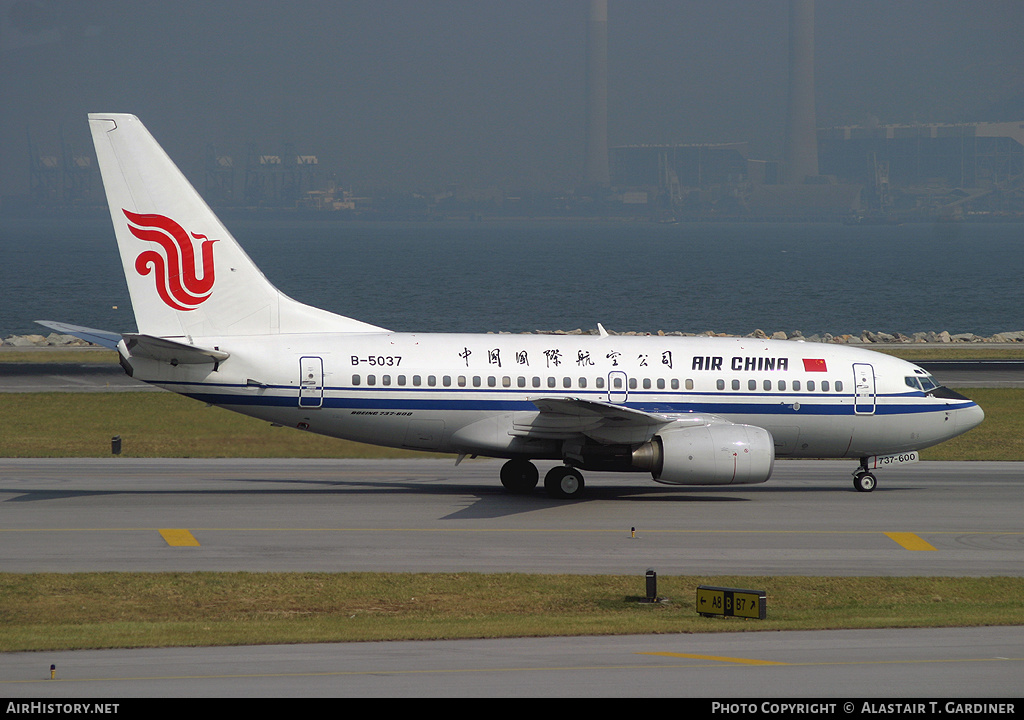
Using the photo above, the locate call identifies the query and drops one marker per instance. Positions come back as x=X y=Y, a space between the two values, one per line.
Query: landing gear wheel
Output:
x=864 y=481
x=564 y=482
x=519 y=476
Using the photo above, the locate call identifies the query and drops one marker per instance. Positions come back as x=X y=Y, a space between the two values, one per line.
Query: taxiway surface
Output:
x=930 y=518
x=426 y=515
x=917 y=666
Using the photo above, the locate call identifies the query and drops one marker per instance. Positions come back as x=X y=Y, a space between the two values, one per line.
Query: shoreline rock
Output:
x=866 y=337
x=51 y=340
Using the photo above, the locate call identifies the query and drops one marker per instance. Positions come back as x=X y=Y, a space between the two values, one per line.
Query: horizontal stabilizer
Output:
x=176 y=353
x=97 y=337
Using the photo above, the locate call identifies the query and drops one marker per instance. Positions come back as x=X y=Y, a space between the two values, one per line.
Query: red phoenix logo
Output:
x=177 y=280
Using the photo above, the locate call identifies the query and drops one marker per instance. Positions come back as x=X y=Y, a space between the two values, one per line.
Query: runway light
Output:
x=632 y=532
x=53 y=671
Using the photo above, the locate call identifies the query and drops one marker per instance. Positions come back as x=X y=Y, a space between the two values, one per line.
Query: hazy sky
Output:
x=420 y=93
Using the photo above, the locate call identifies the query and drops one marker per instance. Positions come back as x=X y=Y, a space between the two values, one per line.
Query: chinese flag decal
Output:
x=814 y=365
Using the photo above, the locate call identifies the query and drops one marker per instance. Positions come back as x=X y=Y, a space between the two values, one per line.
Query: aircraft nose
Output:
x=969 y=417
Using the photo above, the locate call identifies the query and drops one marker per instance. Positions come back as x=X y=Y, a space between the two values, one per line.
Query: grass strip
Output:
x=999 y=437
x=77 y=356
x=155 y=425
x=169 y=425
x=56 y=611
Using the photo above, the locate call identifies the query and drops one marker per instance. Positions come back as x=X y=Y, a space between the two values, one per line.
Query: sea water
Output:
x=519 y=275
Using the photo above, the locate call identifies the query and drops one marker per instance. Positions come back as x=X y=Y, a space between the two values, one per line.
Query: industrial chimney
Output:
x=596 y=173
x=801 y=159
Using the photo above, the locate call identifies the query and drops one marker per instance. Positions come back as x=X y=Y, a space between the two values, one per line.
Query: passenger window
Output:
x=751 y=384
x=417 y=380
x=583 y=382
x=567 y=382
x=782 y=385
x=492 y=381
x=721 y=384
x=824 y=385
x=431 y=380
x=371 y=379
x=462 y=381
x=447 y=381
x=632 y=383
x=521 y=381
x=810 y=386
x=735 y=384
x=767 y=385
x=355 y=379
x=617 y=382
x=599 y=383
x=401 y=380
x=796 y=386
x=661 y=383
x=647 y=383
x=536 y=382
x=689 y=384
x=551 y=382
x=839 y=385
x=385 y=380
x=476 y=381
x=506 y=381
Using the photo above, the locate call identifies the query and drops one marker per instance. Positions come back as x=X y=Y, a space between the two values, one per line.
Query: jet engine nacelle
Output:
x=716 y=454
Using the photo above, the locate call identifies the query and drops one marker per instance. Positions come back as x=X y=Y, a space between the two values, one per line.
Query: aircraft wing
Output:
x=562 y=418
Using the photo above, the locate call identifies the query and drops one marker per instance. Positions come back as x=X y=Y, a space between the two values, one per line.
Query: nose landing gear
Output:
x=863 y=480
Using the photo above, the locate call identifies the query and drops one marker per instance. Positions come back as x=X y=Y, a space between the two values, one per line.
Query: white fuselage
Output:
x=469 y=394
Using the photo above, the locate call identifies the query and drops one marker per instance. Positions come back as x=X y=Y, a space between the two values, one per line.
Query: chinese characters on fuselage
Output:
x=555 y=357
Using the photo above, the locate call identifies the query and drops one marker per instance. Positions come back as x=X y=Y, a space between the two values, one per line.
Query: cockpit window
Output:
x=924 y=383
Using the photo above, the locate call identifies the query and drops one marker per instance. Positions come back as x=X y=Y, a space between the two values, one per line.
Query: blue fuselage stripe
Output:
x=399 y=398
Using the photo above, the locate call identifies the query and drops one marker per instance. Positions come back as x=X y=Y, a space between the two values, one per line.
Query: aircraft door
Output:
x=618 y=387
x=311 y=382
x=864 y=389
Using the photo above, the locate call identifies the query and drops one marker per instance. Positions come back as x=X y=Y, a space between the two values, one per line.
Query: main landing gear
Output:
x=519 y=476
x=863 y=480
x=562 y=482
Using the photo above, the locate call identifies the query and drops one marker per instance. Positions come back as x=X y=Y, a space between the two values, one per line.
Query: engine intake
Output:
x=716 y=454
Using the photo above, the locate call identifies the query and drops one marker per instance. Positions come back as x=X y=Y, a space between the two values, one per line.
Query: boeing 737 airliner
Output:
x=688 y=411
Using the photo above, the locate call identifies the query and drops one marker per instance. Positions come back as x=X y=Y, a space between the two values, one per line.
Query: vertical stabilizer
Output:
x=186 y=274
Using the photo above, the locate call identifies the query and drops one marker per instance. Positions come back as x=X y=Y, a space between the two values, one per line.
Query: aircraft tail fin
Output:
x=187 y=276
